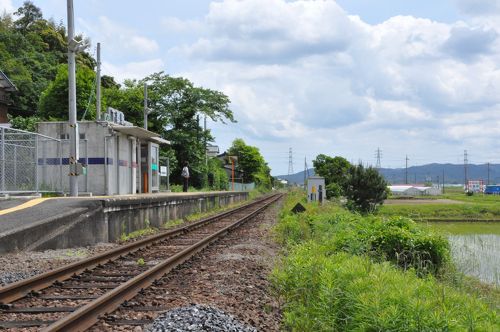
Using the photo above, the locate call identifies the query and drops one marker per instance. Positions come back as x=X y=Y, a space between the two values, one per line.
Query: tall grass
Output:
x=346 y=272
x=342 y=292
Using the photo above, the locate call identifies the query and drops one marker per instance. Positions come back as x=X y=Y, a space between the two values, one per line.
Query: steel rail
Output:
x=88 y=315
x=20 y=289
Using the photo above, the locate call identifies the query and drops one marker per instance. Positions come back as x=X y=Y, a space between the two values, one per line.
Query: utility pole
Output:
x=466 y=160
x=305 y=172
x=378 y=155
x=488 y=174
x=146 y=110
x=98 y=84
x=290 y=162
x=443 y=181
x=205 y=141
x=406 y=170
x=73 y=124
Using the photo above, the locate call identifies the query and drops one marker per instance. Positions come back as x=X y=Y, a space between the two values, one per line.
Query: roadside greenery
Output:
x=348 y=272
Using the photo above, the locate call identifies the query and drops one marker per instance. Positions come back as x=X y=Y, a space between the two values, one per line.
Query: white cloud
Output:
x=132 y=70
x=6 y=6
x=479 y=7
x=174 y=24
x=305 y=71
x=117 y=38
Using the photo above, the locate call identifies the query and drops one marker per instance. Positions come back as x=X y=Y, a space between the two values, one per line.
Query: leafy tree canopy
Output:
x=334 y=170
x=54 y=100
x=31 y=50
x=251 y=163
x=178 y=107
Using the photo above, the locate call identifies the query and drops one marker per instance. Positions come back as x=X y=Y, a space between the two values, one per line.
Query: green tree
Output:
x=28 y=14
x=178 y=106
x=251 y=163
x=54 y=100
x=217 y=177
x=334 y=170
x=365 y=189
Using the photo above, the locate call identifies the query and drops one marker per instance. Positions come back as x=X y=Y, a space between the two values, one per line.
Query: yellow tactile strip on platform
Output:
x=23 y=206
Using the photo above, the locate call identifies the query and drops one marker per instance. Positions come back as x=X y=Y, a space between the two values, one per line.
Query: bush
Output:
x=341 y=292
x=333 y=190
x=399 y=240
x=365 y=190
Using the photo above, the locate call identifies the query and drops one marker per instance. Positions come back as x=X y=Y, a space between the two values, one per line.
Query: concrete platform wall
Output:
x=123 y=215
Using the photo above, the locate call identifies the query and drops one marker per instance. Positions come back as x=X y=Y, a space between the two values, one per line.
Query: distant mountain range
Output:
x=453 y=174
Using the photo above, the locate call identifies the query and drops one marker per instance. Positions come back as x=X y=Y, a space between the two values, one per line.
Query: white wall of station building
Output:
x=118 y=159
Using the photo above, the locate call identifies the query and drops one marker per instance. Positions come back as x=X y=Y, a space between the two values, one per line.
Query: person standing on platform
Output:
x=185 y=176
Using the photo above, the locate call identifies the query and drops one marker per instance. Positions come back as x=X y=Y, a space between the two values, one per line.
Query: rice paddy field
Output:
x=475 y=248
x=471 y=223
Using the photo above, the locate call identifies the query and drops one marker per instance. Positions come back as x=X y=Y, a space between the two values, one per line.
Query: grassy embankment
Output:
x=345 y=272
x=476 y=207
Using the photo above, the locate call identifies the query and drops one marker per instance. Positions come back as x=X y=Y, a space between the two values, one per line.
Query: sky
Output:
x=416 y=78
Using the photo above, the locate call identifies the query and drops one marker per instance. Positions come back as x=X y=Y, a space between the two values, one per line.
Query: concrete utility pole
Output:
x=488 y=174
x=205 y=141
x=98 y=84
x=443 y=181
x=290 y=162
x=305 y=172
x=146 y=111
x=466 y=161
x=406 y=170
x=73 y=124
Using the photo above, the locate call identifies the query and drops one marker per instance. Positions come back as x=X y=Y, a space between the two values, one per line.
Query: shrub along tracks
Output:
x=100 y=284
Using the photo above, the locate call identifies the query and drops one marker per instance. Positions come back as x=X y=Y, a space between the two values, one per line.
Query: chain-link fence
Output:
x=29 y=162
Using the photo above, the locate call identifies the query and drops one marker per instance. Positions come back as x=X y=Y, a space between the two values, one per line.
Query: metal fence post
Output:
x=60 y=167
x=36 y=163
x=15 y=167
x=3 y=158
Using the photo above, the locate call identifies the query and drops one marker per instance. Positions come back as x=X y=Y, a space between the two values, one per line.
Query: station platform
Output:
x=65 y=222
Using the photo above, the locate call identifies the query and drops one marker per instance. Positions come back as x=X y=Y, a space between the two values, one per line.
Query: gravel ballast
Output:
x=25 y=264
x=198 y=318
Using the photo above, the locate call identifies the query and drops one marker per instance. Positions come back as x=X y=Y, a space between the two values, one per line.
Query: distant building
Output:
x=6 y=88
x=408 y=190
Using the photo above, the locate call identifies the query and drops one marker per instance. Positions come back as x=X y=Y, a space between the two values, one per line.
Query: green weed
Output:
x=347 y=272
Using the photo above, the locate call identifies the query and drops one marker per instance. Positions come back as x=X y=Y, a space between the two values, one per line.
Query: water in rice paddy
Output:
x=475 y=248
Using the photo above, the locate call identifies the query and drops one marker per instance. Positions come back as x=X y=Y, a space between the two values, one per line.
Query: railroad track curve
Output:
x=74 y=297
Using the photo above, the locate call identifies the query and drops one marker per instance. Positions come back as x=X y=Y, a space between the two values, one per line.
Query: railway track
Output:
x=76 y=296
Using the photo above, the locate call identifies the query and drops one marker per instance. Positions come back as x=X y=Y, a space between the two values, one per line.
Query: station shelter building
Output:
x=117 y=157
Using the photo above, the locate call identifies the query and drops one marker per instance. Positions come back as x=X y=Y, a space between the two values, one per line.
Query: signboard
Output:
x=163 y=171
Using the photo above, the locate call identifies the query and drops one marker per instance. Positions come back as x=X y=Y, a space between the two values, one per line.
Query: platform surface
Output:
x=17 y=213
